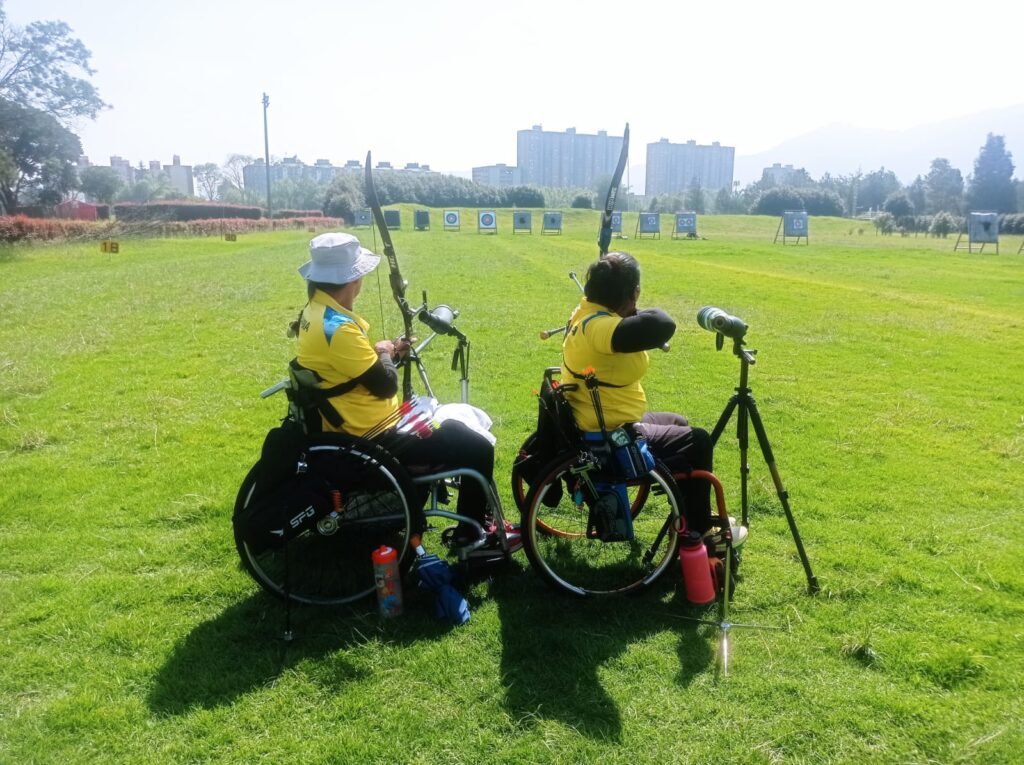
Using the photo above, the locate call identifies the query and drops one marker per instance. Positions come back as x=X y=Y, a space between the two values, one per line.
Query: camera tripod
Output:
x=743 y=401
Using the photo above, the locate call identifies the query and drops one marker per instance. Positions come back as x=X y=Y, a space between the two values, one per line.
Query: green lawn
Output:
x=889 y=380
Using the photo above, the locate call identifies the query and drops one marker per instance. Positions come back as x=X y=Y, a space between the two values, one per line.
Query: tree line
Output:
x=942 y=190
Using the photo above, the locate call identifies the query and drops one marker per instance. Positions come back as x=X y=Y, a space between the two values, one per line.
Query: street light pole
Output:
x=266 y=150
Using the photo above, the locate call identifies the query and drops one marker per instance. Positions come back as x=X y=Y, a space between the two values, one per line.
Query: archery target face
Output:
x=451 y=217
x=363 y=217
x=686 y=223
x=523 y=220
x=616 y=222
x=794 y=223
x=984 y=227
x=553 y=221
x=487 y=219
x=650 y=223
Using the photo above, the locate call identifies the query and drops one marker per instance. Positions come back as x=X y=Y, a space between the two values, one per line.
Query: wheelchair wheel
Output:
x=560 y=549
x=520 y=490
x=330 y=563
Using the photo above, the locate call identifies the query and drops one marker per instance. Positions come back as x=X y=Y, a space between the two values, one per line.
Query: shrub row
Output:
x=184 y=211
x=1008 y=224
x=1012 y=224
x=298 y=213
x=776 y=201
x=20 y=228
x=219 y=226
x=17 y=228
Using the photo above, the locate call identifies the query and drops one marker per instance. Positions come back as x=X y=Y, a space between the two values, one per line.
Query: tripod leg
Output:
x=723 y=420
x=769 y=458
x=743 y=437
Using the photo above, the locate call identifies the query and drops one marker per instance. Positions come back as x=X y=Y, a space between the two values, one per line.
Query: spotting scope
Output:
x=716 y=320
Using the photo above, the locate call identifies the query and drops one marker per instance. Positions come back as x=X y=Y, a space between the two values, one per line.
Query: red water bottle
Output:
x=693 y=557
x=388 y=580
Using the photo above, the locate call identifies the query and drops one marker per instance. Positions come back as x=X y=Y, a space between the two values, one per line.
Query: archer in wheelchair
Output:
x=607 y=489
x=352 y=466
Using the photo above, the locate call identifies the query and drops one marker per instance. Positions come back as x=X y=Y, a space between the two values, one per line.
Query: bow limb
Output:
x=605 y=237
x=398 y=284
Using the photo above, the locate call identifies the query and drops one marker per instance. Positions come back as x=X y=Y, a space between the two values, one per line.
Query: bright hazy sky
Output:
x=448 y=83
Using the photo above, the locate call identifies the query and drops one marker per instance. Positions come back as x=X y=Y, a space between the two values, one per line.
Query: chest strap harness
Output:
x=306 y=394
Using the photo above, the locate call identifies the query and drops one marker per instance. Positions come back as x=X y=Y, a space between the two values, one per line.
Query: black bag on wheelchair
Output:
x=284 y=512
x=556 y=432
x=286 y=499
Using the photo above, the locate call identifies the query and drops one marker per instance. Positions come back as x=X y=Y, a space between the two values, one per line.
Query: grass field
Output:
x=890 y=381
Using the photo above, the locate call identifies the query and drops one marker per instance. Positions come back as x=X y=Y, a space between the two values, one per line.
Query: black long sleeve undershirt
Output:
x=643 y=331
x=381 y=379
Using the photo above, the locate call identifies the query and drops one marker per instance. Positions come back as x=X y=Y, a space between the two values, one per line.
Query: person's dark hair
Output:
x=312 y=287
x=612 y=280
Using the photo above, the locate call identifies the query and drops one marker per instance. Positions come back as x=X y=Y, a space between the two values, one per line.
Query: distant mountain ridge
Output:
x=843 y=149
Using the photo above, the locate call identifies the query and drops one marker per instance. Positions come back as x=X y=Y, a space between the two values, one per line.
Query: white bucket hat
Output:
x=337 y=259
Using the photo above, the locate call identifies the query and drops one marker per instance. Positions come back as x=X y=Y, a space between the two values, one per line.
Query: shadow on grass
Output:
x=553 y=647
x=243 y=649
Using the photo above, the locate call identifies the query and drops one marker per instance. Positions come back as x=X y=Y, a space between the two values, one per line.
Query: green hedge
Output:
x=184 y=211
x=298 y=213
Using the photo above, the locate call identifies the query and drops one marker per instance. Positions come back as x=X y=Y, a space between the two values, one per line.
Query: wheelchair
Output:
x=315 y=506
x=560 y=480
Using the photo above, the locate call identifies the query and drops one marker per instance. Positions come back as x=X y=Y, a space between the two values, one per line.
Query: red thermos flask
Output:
x=693 y=557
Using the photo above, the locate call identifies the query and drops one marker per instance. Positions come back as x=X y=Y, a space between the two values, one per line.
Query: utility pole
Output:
x=266 y=150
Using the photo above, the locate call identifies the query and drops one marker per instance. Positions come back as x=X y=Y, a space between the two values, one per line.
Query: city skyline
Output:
x=450 y=84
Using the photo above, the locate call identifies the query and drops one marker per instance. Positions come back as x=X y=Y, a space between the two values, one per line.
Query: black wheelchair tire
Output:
x=304 y=577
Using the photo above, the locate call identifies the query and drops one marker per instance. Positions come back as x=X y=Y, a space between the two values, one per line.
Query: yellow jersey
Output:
x=588 y=343
x=333 y=342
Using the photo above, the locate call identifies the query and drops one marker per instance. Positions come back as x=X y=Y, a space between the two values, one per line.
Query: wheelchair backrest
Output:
x=307 y=401
x=555 y=421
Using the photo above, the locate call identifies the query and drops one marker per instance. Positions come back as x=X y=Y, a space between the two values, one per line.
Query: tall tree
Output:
x=233 y=172
x=695 y=198
x=344 y=197
x=723 y=202
x=898 y=205
x=918 y=195
x=41 y=66
x=991 y=186
x=875 y=187
x=847 y=187
x=39 y=156
x=100 y=183
x=150 y=185
x=208 y=178
x=944 y=187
